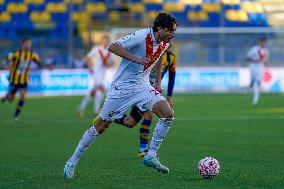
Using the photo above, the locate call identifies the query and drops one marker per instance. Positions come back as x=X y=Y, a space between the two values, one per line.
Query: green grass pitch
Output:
x=247 y=141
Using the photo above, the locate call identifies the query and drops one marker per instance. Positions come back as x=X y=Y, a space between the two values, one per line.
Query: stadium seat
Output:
x=5 y=17
x=75 y=2
x=17 y=8
x=114 y=16
x=153 y=7
x=36 y=7
x=153 y=1
x=80 y=16
x=36 y=16
x=230 y=2
x=34 y=2
x=212 y=7
x=2 y=8
x=236 y=16
x=193 y=13
x=138 y=16
x=135 y=1
x=19 y=18
x=96 y=8
x=174 y=7
x=197 y=16
x=56 y=7
x=151 y=15
x=214 y=17
x=60 y=17
x=137 y=8
x=252 y=7
x=191 y=2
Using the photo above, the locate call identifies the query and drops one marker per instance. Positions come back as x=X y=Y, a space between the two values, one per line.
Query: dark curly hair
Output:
x=164 y=20
x=26 y=39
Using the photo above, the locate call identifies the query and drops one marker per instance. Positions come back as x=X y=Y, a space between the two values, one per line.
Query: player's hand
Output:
x=158 y=87
x=170 y=101
x=91 y=71
x=145 y=60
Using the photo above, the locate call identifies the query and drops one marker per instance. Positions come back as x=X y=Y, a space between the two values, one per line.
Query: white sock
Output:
x=159 y=134
x=255 y=88
x=85 y=102
x=98 y=101
x=87 y=139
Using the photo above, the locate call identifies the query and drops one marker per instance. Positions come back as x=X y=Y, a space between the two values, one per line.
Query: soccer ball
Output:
x=208 y=167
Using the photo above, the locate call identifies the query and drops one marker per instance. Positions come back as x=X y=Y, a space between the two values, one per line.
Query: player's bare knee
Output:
x=101 y=125
x=168 y=113
x=101 y=128
x=148 y=116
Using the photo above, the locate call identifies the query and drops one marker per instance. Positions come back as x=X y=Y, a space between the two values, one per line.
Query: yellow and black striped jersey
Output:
x=168 y=62
x=20 y=66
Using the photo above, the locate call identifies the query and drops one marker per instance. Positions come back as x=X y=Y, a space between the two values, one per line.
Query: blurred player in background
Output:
x=20 y=62
x=257 y=57
x=168 y=62
x=99 y=59
x=139 y=51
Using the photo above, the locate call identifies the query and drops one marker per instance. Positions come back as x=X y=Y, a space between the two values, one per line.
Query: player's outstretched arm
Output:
x=120 y=51
x=158 y=69
x=89 y=65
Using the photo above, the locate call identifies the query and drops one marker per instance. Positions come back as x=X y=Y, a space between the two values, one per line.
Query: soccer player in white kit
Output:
x=99 y=59
x=131 y=86
x=257 y=57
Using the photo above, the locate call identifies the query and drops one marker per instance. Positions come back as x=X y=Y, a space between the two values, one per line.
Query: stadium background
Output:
x=211 y=33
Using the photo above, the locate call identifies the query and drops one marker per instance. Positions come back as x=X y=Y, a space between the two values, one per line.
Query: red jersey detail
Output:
x=104 y=58
x=150 y=52
x=261 y=54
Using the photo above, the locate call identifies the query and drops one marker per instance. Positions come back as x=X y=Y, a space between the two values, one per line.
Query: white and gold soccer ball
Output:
x=208 y=167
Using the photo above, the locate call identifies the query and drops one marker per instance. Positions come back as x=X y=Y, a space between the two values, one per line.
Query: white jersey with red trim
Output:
x=141 y=43
x=258 y=54
x=100 y=58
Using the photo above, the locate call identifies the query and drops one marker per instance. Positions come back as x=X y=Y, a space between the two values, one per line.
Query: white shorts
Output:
x=98 y=80
x=256 y=72
x=118 y=101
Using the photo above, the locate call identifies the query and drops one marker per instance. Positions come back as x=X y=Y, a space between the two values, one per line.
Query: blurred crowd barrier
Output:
x=188 y=80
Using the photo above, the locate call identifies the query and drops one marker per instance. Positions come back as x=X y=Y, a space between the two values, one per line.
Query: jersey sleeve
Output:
x=251 y=52
x=92 y=52
x=172 y=75
x=172 y=66
x=35 y=58
x=132 y=40
x=11 y=56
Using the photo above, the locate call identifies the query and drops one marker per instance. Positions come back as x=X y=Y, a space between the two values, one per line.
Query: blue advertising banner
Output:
x=188 y=79
x=57 y=82
x=217 y=79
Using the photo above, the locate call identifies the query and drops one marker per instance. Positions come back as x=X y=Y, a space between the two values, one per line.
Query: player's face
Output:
x=262 y=43
x=27 y=45
x=105 y=42
x=167 y=35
